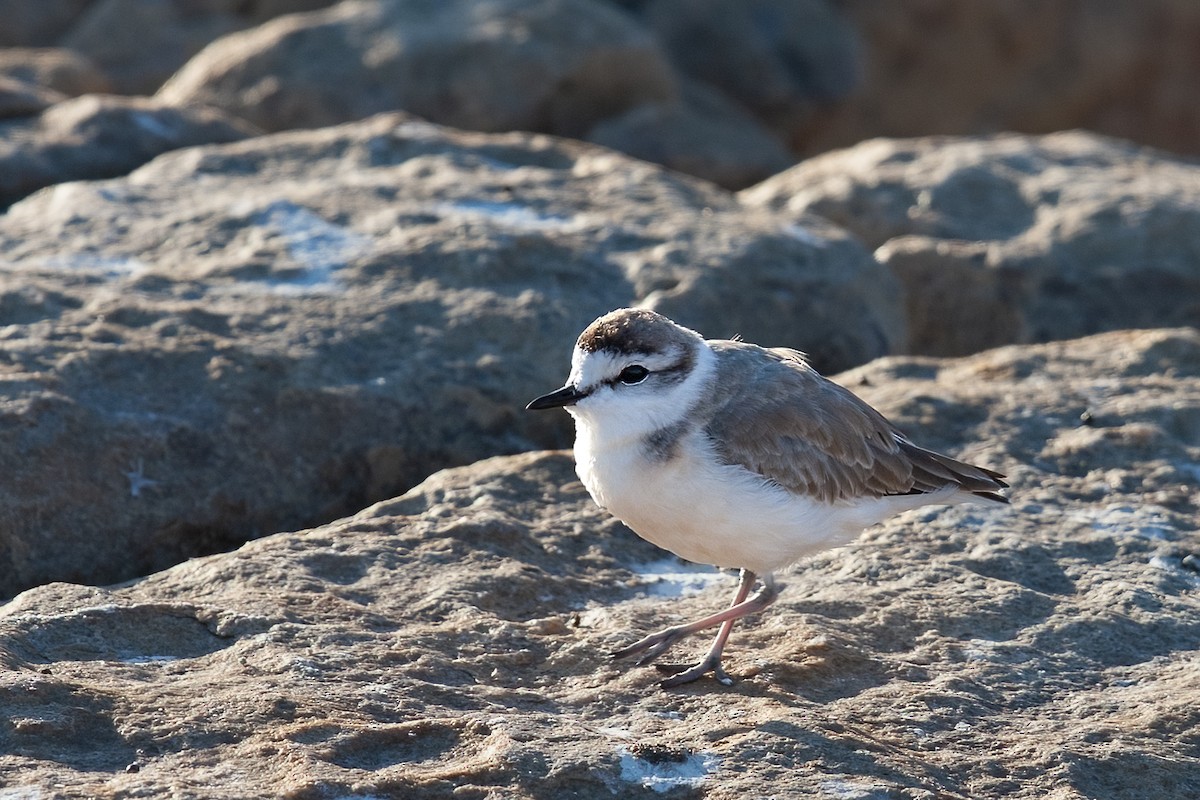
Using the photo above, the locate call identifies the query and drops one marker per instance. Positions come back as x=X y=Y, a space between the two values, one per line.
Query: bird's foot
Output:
x=682 y=673
x=652 y=646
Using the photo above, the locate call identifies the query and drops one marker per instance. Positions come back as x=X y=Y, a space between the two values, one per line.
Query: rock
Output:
x=1010 y=238
x=547 y=65
x=239 y=339
x=263 y=10
x=140 y=44
x=703 y=135
x=454 y=641
x=54 y=68
x=40 y=24
x=99 y=136
x=785 y=60
x=21 y=99
x=962 y=67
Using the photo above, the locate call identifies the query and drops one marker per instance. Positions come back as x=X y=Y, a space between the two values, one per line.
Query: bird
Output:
x=739 y=456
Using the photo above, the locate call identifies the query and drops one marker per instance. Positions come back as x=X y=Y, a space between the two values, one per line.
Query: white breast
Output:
x=718 y=514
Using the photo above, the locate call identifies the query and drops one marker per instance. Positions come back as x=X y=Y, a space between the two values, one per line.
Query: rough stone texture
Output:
x=101 y=136
x=54 y=68
x=964 y=67
x=702 y=134
x=541 y=65
x=1014 y=239
x=453 y=642
x=246 y=338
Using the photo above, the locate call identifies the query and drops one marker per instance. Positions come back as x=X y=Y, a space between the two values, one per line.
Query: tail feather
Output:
x=933 y=471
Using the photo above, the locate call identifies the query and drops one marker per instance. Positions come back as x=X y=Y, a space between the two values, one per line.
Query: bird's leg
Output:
x=684 y=673
x=656 y=644
x=712 y=659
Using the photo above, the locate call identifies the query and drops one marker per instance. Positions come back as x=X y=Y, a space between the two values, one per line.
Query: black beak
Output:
x=566 y=396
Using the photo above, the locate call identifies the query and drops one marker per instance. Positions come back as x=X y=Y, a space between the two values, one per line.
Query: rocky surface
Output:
x=100 y=136
x=135 y=44
x=962 y=67
x=806 y=76
x=37 y=24
x=570 y=67
x=453 y=641
x=246 y=338
x=556 y=66
x=788 y=62
x=701 y=133
x=273 y=333
x=55 y=68
x=21 y=99
x=1012 y=238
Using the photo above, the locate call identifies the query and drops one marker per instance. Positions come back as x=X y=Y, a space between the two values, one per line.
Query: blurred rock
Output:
x=37 y=23
x=240 y=339
x=820 y=74
x=702 y=134
x=21 y=99
x=1011 y=238
x=541 y=65
x=959 y=67
x=786 y=60
x=141 y=43
x=100 y=136
x=263 y=10
x=454 y=642
x=55 y=68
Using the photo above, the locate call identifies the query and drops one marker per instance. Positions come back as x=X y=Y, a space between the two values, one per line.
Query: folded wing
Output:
x=812 y=436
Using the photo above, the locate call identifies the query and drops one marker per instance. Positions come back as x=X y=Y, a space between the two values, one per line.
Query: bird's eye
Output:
x=634 y=373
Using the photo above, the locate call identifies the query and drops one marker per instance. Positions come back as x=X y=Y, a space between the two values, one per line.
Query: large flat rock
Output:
x=241 y=339
x=1007 y=239
x=452 y=642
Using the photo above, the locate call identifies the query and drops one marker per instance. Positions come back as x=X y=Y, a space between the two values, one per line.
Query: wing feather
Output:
x=811 y=436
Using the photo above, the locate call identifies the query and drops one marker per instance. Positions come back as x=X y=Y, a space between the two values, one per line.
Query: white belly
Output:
x=718 y=514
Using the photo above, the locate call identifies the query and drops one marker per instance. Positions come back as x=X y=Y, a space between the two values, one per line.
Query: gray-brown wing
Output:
x=812 y=436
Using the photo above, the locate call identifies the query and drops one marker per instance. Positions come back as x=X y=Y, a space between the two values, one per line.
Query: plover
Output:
x=736 y=455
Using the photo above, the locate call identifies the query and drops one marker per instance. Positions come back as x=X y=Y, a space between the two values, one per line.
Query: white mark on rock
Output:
x=616 y=733
x=847 y=790
x=306 y=667
x=662 y=776
x=153 y=125
x=1145 y=522
x=149 y=659
x=670 y=577
x=801 y=234
x=138 y=480
x=316 y=245
x=90 y=263
x=506 y=215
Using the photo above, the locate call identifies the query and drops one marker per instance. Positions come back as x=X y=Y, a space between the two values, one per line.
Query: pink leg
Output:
x=656 y=644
